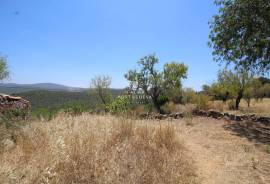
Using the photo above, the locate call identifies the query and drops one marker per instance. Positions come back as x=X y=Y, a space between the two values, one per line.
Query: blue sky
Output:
x=71 y=41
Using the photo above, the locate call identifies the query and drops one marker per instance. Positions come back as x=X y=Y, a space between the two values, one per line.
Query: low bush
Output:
x=189 y=96
x=202 y=102
x=44 y=114
x=168 y=108
x=13 y=117
x=76 y=109
x=120 y=105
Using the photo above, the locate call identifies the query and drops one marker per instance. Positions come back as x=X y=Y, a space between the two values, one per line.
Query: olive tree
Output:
x=157 y=85
x=237 y=82
x=173 y=74
x=220 y=90
x=240 y=34
x=100 y=86
x=4 y=73
x=256 y=86
x=247 y=95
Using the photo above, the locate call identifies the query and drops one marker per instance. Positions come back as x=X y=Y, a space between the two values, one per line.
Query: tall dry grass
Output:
x=97 y=149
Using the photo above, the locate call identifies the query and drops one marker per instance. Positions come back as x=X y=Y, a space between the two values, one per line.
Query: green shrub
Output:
x=13 y=117
x=120 y=105
x=162 y=100
x=76 y=108
x=44 y=113
x=189 y=96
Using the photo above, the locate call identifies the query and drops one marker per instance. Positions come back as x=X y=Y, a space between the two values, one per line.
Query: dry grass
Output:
x=106 y=149
x=261 y=107
x=97 y=149
x=217 y=105
x=186 y=109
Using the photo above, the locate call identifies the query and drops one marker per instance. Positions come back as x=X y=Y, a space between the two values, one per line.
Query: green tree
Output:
x=4 y=73
x=173 y=74
x=265 y=91
x=256 y=86
x=206 y=89
x=100 y=87
x=247 y=95
x=236 y=82
x=156 y=84
x=240 y=33
x=220 y=90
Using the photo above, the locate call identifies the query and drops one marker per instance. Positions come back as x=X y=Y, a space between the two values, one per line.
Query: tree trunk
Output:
x=225 y=98
x=238 y=100
x=157 y=106
x=102 y=99
x=155 y=99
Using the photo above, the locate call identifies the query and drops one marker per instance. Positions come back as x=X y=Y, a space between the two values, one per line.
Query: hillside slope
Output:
x=10 y=88
x=58 y=99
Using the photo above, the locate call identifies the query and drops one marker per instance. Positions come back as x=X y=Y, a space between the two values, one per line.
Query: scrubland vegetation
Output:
x=73 y=140
x=77 y=141
x=98 y=137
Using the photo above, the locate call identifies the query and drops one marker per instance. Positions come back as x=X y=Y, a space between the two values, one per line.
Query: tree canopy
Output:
x=235 y=83
x=100 y=87
x=240 y=34
x=157 y=84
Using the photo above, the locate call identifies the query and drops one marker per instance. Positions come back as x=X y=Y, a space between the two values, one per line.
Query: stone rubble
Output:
x=8 y=103
x=212 y=114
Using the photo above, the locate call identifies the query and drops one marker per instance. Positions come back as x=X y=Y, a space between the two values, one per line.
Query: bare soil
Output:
x=228 y=152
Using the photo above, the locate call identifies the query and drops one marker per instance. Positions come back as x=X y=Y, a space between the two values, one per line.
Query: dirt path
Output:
x=223 y=157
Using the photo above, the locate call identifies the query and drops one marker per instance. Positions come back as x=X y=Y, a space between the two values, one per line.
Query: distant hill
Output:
x=56 y=99
x=11 y=88
x=59 y=99
x=52 y=96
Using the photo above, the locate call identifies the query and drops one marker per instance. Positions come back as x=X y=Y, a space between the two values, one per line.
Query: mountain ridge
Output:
x=11 y=88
